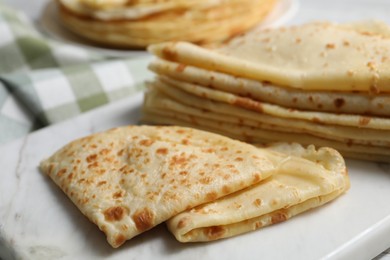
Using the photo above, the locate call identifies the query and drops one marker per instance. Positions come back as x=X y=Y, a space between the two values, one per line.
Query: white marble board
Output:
x=37 y=221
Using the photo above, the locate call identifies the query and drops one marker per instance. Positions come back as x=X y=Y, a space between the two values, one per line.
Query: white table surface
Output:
x=309 y=10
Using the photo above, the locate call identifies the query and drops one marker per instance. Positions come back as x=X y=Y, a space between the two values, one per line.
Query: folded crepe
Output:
x=308 y=178
x=127 y=24
x=129 y=179
x=320 y=83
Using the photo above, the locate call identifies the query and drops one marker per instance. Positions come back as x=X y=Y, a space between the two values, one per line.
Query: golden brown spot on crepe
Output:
x=247 y=103
x=298 y=40
x=350 y=73
x=115 y=213
x=120 y=153
x=371 y=65
x=211 y=196
x=100 y=183
x=61 y=172
x=346 y=43
x=146 y=142
x=364 y=120
x=117 y=195
x=206 y=180
x=143 y=219
x=162 y=151
x=93 y=165
x=225 y=189
x=208 y=150
x=317 y=120
x=339 y=102
x=183 y=173
x=93 y=146
x=258 y=225
x=104 y=151
x=185 y=141
x=181 y=67
x=330 y=46
x=257 y=177
x=119 y=240
x=214 y=232
x=182 y=223
x=257 y=202
x=278 y=217
x=180 y=131
x=91 y=158
x=238 y=159
x=178 y=160
x=70 y=176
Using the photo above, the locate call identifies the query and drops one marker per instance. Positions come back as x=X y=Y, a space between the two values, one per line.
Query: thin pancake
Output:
x=129 y=179
x=298 y=185
x=165 y=98
x=327 y=101
x=315 y=56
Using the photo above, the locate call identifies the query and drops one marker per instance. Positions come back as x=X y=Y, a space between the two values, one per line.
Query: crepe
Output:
x=300 y=183
x=314 y=56
x=124 y=9
x=144 y=23
x=326 y=101
x=161 y=109
x=319 y=83
x=163 y=97
x=129 y=179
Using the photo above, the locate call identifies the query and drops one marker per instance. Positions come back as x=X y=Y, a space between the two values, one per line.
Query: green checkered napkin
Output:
x=43 y=81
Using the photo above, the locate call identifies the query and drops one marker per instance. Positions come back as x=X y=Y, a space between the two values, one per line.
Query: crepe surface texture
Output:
x=129 y=179
x=136 y=24
x=308 y=178
x=319 y=83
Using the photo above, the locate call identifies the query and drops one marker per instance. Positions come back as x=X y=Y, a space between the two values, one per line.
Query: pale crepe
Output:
x=124 y=9
x=158 y=112
x=165 y=98
x=127 y=180
x=326 y=118
x=298 y=185
x=209 y=24
x=316 y=56
x=327 y=101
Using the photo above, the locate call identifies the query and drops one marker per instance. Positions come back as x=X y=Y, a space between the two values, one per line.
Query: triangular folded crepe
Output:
x=316 y=56
x=298 y=185
x=129 y=179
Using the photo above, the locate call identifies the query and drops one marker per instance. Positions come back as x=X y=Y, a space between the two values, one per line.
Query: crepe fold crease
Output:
x=306 y=179
x=319 y=83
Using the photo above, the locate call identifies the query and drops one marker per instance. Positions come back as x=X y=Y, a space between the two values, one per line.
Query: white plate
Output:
x=37 y=221
x=50 y=24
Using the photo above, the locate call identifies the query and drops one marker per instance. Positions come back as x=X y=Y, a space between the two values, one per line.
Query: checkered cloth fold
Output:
x=43 y=81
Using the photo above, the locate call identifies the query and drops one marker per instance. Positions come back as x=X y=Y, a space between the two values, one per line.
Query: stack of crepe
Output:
x=320 y=83
x=206 y=186
x=138 y=23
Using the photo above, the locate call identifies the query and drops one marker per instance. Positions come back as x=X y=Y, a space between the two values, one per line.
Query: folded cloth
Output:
x=43 y=81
